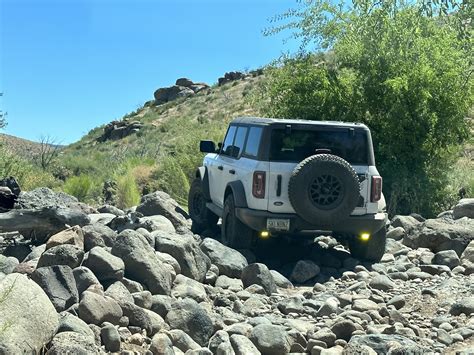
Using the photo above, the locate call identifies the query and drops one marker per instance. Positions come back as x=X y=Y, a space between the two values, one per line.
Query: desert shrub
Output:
x=80 y=187
x=128 y=194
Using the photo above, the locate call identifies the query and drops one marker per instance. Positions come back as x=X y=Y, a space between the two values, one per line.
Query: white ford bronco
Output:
x=275 y=177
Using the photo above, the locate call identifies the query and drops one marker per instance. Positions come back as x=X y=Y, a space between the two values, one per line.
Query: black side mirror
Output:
x=207 y=147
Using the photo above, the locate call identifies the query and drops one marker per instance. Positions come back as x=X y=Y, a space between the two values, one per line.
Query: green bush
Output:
x=80 y=187
x=387 y=64
x=128 y=194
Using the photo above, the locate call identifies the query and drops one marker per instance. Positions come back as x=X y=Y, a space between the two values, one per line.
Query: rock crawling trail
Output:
x=140 y=282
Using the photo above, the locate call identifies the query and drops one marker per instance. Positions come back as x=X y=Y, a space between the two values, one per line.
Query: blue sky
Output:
x=68 y=66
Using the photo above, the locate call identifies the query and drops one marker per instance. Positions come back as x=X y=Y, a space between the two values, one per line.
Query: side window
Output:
x=253 y=142
x=239 y=141
x=228 y=141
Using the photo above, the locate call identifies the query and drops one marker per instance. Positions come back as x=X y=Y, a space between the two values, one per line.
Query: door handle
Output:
x=220 y=167
x=232 y=171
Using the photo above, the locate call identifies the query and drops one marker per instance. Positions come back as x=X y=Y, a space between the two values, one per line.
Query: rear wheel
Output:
x=201 y=216
x=235 y=234
x=370 y=250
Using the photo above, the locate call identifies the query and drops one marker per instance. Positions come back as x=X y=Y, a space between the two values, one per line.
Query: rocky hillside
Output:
x=23 y=148
x=74 y=279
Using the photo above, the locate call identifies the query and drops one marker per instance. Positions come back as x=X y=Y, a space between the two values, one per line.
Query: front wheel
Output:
x=202 y=217
x=235 y=234
x=371 y=250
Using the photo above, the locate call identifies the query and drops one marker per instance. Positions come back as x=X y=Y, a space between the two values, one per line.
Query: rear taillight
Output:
x=376 y=192
x=258 y=184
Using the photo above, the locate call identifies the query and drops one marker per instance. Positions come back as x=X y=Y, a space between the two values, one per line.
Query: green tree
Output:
x=398 y=67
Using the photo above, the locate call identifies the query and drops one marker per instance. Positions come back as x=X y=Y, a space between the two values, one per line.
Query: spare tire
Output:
x=323 y=189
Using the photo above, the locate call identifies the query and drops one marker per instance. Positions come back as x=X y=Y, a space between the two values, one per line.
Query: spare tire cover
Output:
x=324 y=189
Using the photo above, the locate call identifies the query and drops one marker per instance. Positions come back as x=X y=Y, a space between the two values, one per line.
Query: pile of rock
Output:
x=237 y=75
x=119 y=129
x=183 y=88
x=139 y=281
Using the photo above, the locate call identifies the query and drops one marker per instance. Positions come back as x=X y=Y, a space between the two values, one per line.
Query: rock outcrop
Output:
x=119 y=129
x=184 y=87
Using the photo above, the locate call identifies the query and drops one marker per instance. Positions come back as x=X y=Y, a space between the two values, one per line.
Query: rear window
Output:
x=253 y=141
x=296 y=145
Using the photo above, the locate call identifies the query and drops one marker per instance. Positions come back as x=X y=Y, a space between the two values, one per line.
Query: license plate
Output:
x=278 y=224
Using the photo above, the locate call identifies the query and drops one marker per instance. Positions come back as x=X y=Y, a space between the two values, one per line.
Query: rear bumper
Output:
x=370 y=223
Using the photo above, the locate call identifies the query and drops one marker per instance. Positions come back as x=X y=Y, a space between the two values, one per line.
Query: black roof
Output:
x=261 y=121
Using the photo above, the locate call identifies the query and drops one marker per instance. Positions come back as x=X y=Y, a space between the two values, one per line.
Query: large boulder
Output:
x=143 y=318
x=105 y=266
x=270 y=339
x=59 y=284
x=408 y=223
x=192 y=318
x=119 y=129
x=229 y=261
x=441 y=234
x=85 y=278
x=185 y=249
x=141 y=262
x=45 y=197
x=96 y=309
x=160 y=203
x=71 y=235
x=184 y=287
x=28 y=319
x=98 y=235
x=259 y=274
x=464 y=208
x=64 y=254
x=73 y=343
x=70 y=323
x=384 y=343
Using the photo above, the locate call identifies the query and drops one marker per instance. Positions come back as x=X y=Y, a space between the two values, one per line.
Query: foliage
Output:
x=128 y=194
x=389 y=65
x=79 y=186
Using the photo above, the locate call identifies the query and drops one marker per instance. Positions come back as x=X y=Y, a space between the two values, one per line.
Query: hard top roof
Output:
x=261 y=121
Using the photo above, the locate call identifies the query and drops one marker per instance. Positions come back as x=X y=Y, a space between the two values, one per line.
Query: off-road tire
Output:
x=371 y=250
x=324 y=188
x=235 y=234
x=203 y=218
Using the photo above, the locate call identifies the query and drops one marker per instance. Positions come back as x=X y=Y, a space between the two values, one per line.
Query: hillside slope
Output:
x=164 y=152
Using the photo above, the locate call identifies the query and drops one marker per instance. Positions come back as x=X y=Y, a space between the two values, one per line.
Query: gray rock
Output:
x=72 y=235
x=98 y=235
x=446 y=257
x=185 y=249
x=119 y=292
x=70 y=323
x=160 y=203
x=304 y=270
x=220 y=342
x=104 y=265
x=384 y=344
x=343 y=329
x=84 y=278
x=161 y=344
x=464 y=305
x=229 y=261
x=59 y=284
x=397 y=301
x=184 y=287
x=364 y=305
x=396 y=233
x=8 y=264
x=111 y=209
x=101 y=218
x=290 y=305
x=161 y=304
x=280 y=280
x=468 y=254
x=141 y=263
x=110 y=338
x=260 y=275
x=443 y=337
x=97 y=309
x=35 y=253
x=242 y=345
x=441 y=234
x=143 y=299
x=324 y=335
x=44 y=197
x=65 y=254
x=192 y=318
x=168 y=259
x=464 y=208
x=382 y=283
x=330 y=306
x=270 y=339
x=408 y=223
x=227 y=283
x=73 y=343
x=143 y=318
x=155 y=223
x=182 y=340
x=26 y=313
